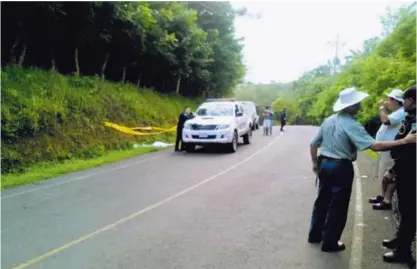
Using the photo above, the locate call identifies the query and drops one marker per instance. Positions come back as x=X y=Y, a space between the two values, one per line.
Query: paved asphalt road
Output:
x=168 y=210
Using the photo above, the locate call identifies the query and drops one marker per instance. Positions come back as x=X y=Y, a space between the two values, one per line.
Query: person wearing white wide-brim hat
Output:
x=339 y=138
x=389 y=128
x=348 y=98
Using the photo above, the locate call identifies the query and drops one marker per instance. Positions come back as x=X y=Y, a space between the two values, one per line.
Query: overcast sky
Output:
x=290 y=37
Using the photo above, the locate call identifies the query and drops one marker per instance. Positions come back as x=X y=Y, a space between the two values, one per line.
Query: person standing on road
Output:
x=271 y=120
x=339 y=138
x=283 y=119
x=267 y=120
x=387 y=131
x=404 y=170
x=184 y=116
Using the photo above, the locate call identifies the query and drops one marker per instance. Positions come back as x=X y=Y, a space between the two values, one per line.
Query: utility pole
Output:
x=337 y=44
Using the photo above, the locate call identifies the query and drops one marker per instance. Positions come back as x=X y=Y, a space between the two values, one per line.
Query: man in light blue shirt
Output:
x=339 y=138
x=391 y=123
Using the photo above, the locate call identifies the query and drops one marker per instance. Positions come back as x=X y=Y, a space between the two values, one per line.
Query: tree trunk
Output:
x=103 y=68
x=138 y=82
x=12 y=50
x=22 y=56
x=124 y=74
x=177 y=90
x=77 y=65
x=53 y=64
x=15 y=44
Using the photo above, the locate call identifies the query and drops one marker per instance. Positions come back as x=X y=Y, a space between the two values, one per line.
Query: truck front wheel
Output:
x=232 y=147
x=189 y=147
x=247 y=137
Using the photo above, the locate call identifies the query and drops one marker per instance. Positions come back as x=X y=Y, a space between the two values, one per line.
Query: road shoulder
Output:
x=377 y=225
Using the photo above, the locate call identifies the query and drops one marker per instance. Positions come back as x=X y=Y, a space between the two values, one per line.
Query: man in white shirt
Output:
x=267 y=123
x=387 y=132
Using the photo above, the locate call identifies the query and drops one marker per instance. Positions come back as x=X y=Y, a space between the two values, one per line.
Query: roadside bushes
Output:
x=50 y=117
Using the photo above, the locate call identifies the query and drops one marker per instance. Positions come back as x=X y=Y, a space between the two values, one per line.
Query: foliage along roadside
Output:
x=46 y=170
x=155 y=51
x=49 y=117
x=379 y=67
x=185 y=47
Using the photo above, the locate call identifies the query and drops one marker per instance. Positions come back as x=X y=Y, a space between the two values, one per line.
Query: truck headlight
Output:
x=223 y=126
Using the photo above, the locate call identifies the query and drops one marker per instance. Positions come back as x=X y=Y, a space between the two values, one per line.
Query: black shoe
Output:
x=397 y=257
x=391 y=244
x=382 y=206
x=338 y=247
x=375 y=200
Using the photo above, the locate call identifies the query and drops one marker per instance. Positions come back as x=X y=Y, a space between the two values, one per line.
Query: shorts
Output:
x=383 y=164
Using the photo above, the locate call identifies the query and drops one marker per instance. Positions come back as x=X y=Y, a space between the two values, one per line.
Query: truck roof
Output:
x=220 y=100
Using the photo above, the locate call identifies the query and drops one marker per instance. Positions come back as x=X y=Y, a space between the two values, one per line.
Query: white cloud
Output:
x=290 y=37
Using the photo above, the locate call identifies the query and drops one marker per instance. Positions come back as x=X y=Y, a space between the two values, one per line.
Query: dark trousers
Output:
x=179 y=140
x=406 y=192
x=283 y=123
x=331 y=206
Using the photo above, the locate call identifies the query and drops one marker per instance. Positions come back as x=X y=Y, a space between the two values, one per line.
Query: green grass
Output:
x=42 y=171
x=53 y=124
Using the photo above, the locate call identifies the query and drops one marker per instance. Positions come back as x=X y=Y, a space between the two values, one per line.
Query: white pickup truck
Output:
x=217 y=122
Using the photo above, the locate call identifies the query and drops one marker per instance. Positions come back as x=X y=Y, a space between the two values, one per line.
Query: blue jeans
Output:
x=331 y=206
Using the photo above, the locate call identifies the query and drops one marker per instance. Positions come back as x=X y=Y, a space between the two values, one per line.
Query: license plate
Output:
x=203 y=135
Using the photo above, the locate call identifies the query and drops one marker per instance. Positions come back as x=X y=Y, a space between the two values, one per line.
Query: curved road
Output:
x=166 y=210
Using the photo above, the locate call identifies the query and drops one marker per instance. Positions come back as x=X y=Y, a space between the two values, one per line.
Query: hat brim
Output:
x=396 y=98
x=359 y=97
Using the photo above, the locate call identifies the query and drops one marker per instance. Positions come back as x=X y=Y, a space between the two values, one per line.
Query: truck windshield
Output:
x=215 y=110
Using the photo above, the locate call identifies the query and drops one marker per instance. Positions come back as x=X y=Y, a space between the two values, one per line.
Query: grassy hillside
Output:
x=51 y=118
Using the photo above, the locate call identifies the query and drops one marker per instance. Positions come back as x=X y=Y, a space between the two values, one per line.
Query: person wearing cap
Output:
x=387 y=131
x=339 y=138
x=404 y=170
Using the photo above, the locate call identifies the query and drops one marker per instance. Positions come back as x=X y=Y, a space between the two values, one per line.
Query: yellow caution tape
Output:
x=149 y=128
x=132 y=131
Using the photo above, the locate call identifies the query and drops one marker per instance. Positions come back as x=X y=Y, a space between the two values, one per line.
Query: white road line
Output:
x=141 y=211
x=79 y=178
x=355 y=261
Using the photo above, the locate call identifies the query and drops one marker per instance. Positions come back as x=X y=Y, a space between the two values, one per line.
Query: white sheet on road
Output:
x=156 y=144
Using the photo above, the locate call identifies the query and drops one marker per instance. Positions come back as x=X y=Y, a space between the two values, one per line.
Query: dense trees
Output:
x=382 y=64
x=99 y=60
x=376 y=70
x=185 y=47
